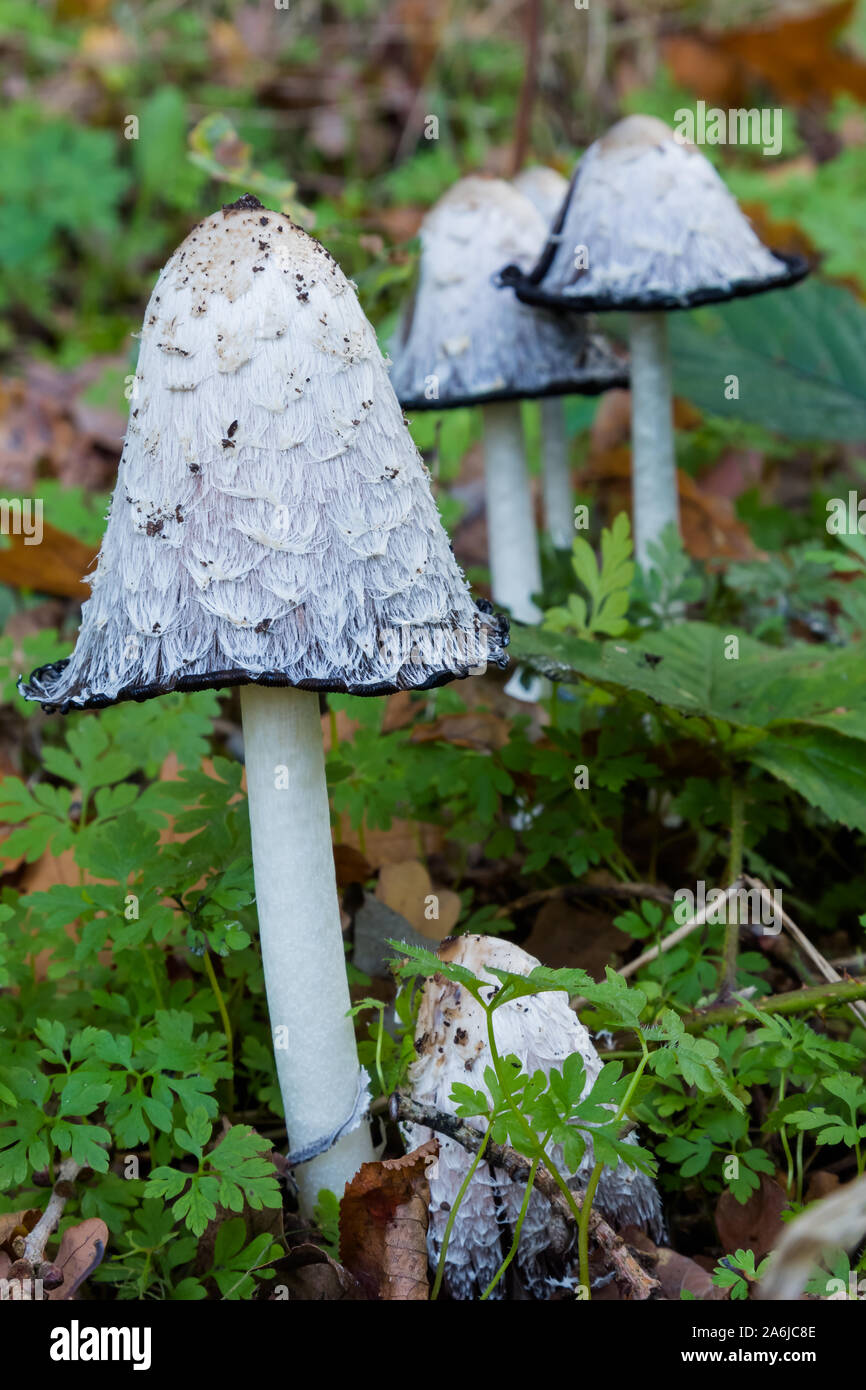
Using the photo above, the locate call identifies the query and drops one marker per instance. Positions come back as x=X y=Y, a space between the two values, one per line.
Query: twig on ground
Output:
x=517 y=1167
x=699 y=920
x=34 y=1248
x=802 y=940
x=588 y=890
x=796 y=1001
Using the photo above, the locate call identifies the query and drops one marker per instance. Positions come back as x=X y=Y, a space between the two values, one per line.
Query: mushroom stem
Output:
x=512 y=545
x=558 y=513
x=299 y=929
x=653 y=465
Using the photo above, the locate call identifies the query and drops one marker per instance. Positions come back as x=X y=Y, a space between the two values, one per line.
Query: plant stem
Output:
x=452 y=1215
x=733 y=872
x=796 y=1001
x=522 y=131
x=524 y=1207
x=589 y=1194
x=227 y=1027
x=521 y=1118
x=152 y=973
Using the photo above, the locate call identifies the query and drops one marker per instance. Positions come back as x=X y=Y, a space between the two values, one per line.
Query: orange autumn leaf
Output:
x=801 y=58
x=53 y=567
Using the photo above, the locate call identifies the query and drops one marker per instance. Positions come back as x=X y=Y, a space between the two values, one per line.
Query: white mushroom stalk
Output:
x=655 y=499
x=556 y=475
x=649 y=227
x=515 y=569
x=301 y=940
x=546 y=190
x=273 y=527
x=463 y=341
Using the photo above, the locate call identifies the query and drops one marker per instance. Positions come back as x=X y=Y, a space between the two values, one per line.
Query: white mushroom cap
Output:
x=545 y=188
x=451 y=1043
x=272 y=519
x=659 y=228
x=462 y=340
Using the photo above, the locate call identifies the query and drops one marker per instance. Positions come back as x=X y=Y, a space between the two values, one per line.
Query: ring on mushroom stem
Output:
x=658 y=231
x=271 y=519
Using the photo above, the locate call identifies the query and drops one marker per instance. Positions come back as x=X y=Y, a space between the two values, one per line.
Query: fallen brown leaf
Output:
x=383 y=1226
x=310 y=1275
x=677 y=1274
x=476 y=728
x=350 y=866
x=800 y=58
x=14 y=1223
x=408 y=889
x=81 y=1250
x=754 y=1225
x=55 y=566
x=567 y=936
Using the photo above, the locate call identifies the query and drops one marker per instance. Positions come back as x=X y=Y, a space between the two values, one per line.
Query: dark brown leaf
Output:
x=81 y=1250
x=754 y=1225
x=383 y=1225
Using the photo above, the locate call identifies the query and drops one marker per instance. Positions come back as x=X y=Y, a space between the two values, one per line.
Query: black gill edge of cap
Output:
x=223 y=680
x=530 y=290
x=557 y=388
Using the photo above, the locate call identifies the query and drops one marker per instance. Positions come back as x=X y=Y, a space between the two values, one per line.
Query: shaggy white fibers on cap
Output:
x=272 y=519
x=463 y=341
x=649 y=224
x=452 y=1045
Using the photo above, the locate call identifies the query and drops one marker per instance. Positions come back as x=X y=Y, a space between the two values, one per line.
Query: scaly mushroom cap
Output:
x=659 y=228
x=545 y=189
x=462 y=341
x=451 y=1043
x=272 y=519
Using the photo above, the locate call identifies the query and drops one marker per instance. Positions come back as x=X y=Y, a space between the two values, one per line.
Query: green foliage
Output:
x=232 y=1173
x=795 y=353
x=607 y=586
x=777 y=709
x=60 y=181
x=110 y=1049
x=737 y=1272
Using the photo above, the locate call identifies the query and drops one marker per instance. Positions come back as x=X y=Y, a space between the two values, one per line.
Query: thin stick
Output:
x=617 y=1253
x=823 y=965
x=735 y=869
x=527 y=91
x=796 y=1001
x=699 y=920
x=34 y=1249
x=588 y=890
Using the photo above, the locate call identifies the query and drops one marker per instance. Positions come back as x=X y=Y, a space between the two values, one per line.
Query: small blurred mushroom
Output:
x=648 y=226
x=273 y=527
x=546 y=190
x=452 y=1045
x=463 y=342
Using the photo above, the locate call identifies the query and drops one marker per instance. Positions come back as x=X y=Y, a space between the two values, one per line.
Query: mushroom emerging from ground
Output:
x=451 y=1042
x=546 y=190
x=273 y=527
x=648 y=226
x=463 y=342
